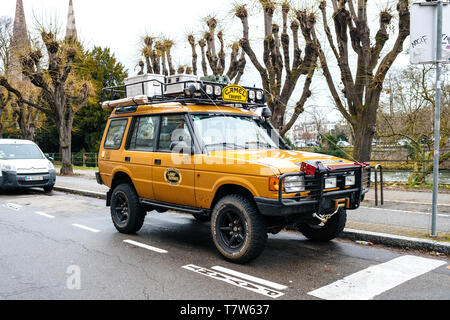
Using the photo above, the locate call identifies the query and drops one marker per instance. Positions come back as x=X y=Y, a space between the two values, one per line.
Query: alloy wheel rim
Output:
x=232 y=230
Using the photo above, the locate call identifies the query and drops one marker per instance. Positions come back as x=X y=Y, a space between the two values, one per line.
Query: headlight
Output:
x=9 y=167
x=294 y=184
x=350 y=180
x=330 y=183
x=51 y=166
x=217 y=91
x=209 y=89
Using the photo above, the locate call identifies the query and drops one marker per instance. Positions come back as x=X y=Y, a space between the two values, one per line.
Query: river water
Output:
x=402 y=176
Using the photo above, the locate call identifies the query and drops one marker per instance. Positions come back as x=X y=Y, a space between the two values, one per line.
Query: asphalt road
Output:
x=65 y=247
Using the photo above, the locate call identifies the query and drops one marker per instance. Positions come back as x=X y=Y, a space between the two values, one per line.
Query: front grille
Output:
x=33 y=183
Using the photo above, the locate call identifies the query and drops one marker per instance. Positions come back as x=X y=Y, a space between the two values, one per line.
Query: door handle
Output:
x=127 y=159
x=158 y=162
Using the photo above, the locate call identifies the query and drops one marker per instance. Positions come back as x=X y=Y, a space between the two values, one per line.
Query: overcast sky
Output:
x=121 y=25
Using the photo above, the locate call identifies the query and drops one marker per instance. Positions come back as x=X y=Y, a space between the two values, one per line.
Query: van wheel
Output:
x=329 y=231
x=48 y=189
x=126 y=212
x=238 y=231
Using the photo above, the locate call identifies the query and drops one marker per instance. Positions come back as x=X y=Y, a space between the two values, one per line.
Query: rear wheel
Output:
x=238 y=231
x=126 y=212
x=327 y=232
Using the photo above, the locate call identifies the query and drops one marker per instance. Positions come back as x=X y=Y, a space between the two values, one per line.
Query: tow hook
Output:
x=324 y=218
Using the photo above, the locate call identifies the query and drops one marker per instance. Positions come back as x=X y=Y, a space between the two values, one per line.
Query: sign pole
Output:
x=437 y=120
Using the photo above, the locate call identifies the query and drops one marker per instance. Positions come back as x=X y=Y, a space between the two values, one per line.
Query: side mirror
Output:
x=266 y=114
x=48 y=157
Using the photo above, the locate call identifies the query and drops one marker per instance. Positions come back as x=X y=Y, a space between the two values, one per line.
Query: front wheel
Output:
x=48 y=189
x=126 y=212
x=238 y=230
x=327 y=232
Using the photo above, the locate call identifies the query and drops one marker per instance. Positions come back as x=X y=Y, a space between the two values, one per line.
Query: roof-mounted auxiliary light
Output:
x=190 y=91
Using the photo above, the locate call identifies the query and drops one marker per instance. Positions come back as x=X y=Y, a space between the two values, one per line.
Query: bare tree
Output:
x=61 y=92
x=278 y=58
x=413 y=120
x=361 y=92
x=216 y=59
x=6 y=27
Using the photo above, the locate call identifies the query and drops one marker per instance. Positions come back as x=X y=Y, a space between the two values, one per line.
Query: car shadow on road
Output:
x=187 y=234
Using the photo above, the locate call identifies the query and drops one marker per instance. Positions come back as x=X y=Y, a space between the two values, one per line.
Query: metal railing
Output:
x=378 y=169
x=88 y=160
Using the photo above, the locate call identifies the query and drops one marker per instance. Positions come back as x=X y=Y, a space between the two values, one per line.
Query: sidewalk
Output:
x=379 y=231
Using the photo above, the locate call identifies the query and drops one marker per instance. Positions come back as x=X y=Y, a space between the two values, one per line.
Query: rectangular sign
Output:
x=424 y=31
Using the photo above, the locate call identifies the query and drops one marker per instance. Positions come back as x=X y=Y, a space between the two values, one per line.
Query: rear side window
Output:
x=143 y=137
x=115 y=134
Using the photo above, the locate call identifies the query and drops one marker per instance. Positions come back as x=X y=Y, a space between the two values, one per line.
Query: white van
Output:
x=23 y=165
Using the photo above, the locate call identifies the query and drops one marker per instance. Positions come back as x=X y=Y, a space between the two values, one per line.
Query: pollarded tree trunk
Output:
x=362 y=88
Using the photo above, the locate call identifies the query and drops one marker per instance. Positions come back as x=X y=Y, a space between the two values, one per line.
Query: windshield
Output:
x=220 y=132
x=19 y=151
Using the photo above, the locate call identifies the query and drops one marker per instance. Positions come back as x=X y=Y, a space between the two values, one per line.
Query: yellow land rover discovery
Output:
x=200 y=149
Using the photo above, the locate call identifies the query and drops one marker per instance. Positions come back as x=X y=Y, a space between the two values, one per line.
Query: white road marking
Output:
x=44 y=214
x=250 y=278
x=145 y=246
x=13 y=206
x=268 y=292
x=404 y=211
x=373 y=281
x=85 y=228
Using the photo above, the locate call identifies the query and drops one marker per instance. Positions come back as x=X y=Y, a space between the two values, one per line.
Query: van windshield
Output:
x=20 y=151
x=221 y=132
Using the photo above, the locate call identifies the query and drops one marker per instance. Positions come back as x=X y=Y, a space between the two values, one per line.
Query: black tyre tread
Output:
x=329 y=231
x=48 y=189
x=258 y=235
x=137 y=214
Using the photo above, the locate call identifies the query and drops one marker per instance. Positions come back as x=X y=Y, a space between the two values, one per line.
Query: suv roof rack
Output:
x=151 y=90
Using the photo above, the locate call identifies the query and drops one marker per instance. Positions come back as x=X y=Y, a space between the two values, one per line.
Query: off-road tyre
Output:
x=126 y=212
x=332 y=229
x=249 y=241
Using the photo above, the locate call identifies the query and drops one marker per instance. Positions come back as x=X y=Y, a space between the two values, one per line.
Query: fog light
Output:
x=259 y=95
x=330 y=183
x=217 y=91
x=350 y=180
x=251 y=95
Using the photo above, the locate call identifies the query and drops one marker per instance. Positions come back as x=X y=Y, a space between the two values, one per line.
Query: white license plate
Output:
x=34 y=178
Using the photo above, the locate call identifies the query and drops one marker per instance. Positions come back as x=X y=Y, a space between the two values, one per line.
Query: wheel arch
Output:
x=230 y=188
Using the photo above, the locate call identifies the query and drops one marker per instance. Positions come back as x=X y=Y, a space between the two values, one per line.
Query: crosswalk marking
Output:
x=250 y=278
x=268 y=292
x=373 y=281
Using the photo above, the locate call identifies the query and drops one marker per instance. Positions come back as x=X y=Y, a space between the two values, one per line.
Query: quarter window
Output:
x=115 y=134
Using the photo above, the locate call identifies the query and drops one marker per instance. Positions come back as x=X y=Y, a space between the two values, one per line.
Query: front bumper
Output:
x=13 y=180
x=318 y=200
